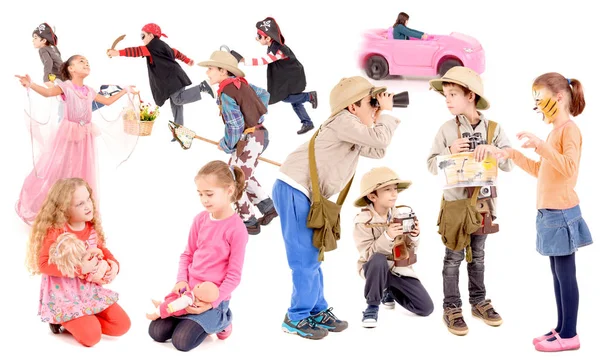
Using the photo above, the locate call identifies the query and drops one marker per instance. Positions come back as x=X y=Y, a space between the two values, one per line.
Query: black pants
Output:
x=475 y=269
x=407 y=291
x=185 y=334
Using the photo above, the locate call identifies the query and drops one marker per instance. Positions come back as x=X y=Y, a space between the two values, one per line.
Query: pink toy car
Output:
x=382 y=55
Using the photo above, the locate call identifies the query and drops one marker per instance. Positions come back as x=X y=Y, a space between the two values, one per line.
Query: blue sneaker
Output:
x=388 y=300
x=327 y=320
x=369 y=319
x=306 y=328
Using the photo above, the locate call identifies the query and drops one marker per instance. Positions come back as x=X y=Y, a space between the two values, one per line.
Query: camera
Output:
x=484 y=192
x=407 y=220
x=399 y=100
x=474 y=140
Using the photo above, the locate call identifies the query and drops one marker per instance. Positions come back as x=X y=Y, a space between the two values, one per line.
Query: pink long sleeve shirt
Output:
x=214 y=253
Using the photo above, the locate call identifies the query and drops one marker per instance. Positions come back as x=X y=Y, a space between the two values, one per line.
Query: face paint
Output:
x=545 y=104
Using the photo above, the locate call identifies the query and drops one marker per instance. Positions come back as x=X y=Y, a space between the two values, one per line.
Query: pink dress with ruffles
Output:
x=70 y=154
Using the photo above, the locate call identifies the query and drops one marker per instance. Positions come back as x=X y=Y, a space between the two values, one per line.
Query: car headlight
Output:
x=468 y=50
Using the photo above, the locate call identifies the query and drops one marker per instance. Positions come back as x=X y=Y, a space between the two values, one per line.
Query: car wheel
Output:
x=447 y=65
x=376 y=67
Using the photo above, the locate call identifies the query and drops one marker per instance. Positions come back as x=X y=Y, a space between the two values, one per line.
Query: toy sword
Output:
x=114 y=45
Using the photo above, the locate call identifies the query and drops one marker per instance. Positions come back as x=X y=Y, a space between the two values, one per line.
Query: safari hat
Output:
x=378 y=178
x=349 y=91
x=465 y=77
x=223 y=59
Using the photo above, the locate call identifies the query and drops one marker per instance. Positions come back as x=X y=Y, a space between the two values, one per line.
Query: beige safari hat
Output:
x=378 y=178
x=223 y=59
x=466 y=77
x=349 y=91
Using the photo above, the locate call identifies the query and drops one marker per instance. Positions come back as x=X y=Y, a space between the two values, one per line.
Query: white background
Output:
x=149 y=202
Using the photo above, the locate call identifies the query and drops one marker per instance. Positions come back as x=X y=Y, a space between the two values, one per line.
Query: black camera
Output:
x=474 y=140
x=399 y=100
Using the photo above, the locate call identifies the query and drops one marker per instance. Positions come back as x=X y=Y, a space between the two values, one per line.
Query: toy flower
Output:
x=148 y=113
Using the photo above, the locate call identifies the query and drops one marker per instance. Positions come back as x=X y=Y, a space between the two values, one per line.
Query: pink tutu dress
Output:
x=70 y=154
x=63 y=299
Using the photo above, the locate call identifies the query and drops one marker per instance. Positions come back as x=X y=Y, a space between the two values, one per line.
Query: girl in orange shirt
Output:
x=561 y=229
x=85 y=309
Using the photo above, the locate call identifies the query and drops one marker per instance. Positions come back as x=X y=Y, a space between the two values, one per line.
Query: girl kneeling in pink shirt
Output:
x=214 y=253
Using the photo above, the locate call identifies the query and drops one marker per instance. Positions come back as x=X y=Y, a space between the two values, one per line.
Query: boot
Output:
x=205 y=88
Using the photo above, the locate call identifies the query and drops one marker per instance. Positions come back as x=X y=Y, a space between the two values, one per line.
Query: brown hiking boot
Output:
x=253 y=229
x=267 y=217
x=454 y=321
x=485 y=311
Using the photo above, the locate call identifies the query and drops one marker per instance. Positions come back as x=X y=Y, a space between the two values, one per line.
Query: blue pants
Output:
x=307 y=276
x=297 y=101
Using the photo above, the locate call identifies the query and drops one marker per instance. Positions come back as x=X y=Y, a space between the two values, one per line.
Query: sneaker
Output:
x=205 y=88
x=454 y=321
x=388 y=300
x=268 y=217
x=312 y=96
x=327 y=320
x=369 y=319
x=225 y=333
x=306 y=328
x=485 y=311
x=306 y=127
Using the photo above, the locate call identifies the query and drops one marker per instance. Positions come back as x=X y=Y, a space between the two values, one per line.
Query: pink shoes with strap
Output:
x=544 y=337
x=560 y=344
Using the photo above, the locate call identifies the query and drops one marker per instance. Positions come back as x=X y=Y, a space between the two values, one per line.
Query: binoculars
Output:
x=400 y=100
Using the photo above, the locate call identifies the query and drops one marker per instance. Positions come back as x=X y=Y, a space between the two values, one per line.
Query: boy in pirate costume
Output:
x=286 y=80
x=389 y=277
x=243 y=107
x=167 y=79
x=463 y=90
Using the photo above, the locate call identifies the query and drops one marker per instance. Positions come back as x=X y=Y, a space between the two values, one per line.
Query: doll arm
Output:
x=566 y=162
x=237 y=240
x=180 y=56
x=180 y=303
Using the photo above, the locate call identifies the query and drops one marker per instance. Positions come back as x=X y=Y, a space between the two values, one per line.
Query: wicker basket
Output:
x=132 y=123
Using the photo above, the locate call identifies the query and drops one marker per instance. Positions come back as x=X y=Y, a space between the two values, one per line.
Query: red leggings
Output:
x=87 y=330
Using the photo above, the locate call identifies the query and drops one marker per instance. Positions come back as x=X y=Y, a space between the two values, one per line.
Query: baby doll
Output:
x=68 y=253
x=176 y=302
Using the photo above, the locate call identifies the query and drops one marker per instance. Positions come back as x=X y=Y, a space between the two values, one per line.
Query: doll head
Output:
x=206 y=292
x=219 y=185
x=69 y=200
x=67 y=253
x=77 y=66
x=555 y=96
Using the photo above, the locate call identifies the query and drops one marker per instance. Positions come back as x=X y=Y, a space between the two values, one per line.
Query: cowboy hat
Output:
x=378 y=178
x=224 y=60
x=465 y=77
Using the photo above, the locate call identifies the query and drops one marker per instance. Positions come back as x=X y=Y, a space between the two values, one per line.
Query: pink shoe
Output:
x=544 y=337
x=225 y=333
x=560 y=344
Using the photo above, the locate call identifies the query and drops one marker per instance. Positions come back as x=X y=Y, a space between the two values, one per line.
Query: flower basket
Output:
x=140 y=125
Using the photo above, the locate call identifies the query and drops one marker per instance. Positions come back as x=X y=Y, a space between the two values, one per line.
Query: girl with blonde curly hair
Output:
x=70 y=302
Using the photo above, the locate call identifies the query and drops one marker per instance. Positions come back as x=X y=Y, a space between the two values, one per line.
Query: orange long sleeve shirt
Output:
x=557 y=169
x=52 y=235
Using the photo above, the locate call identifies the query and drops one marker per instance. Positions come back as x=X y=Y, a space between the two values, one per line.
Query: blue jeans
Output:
x=307 y=276
x=298 y=101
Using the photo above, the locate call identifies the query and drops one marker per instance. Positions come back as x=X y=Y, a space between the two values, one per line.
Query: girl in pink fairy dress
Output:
x=71 y=150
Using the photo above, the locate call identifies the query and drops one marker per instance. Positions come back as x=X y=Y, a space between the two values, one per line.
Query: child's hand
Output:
x=386 y=101
x=112 y=52
x=481 y=151
x=415 y=232
x=131 y=89
x=89 y=264
x=179 y=286
x=112 y=272
x=394 y=230
x=460 y=145
x=202 y=307
x=191 y=63
x=25 y=80
x=532 y=140
x=219 y=147
x=424 y=37
x=501 y=154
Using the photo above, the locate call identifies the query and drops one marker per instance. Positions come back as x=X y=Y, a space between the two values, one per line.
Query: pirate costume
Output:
x=242 y=107
x=286 y=80
x=167 y=79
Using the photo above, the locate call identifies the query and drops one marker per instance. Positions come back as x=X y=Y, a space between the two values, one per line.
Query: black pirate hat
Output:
x=44 y=31
x=270 y=28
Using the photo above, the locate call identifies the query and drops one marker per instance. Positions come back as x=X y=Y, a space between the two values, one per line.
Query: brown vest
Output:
x=250 y=104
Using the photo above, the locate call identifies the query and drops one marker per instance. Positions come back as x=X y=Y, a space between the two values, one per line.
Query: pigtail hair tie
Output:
x=232 y=172
x=569 y=80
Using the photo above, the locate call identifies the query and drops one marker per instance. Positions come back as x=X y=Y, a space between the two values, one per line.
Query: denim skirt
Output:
x=560 y=232
x=214 y=320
